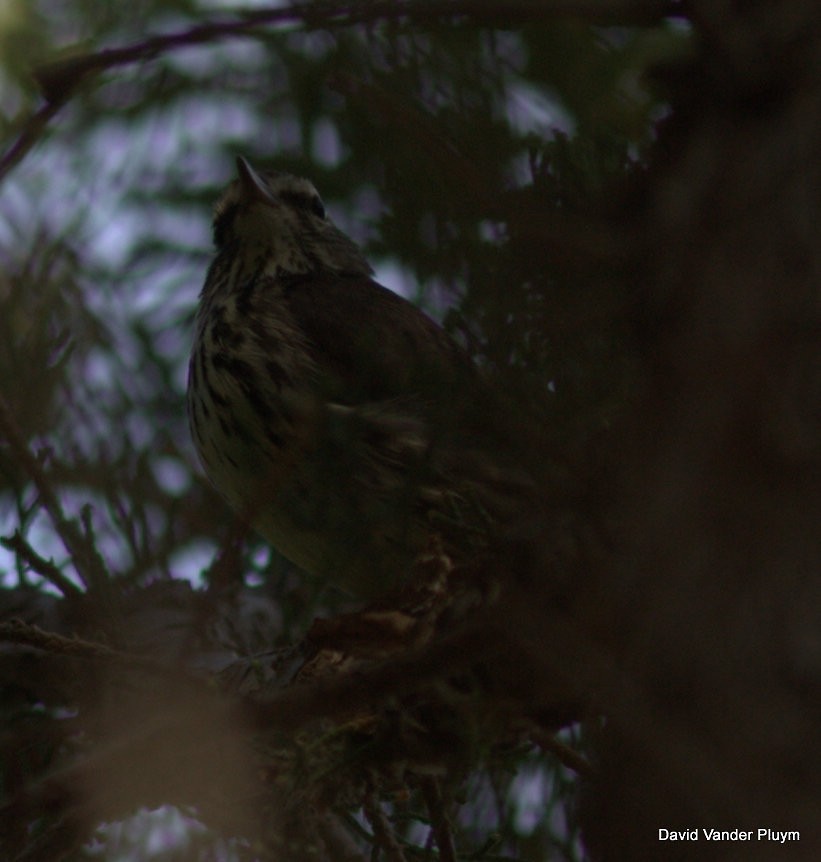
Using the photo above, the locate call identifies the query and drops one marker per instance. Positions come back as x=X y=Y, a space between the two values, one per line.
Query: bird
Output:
x=336 y=417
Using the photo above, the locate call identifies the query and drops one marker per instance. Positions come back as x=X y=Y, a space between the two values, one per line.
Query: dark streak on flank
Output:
x=277 y=374
x=226 y=428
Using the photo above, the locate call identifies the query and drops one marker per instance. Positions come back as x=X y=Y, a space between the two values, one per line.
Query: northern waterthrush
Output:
x=334 y=415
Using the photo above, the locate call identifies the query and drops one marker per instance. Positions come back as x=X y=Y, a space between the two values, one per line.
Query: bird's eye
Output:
x=305 y=201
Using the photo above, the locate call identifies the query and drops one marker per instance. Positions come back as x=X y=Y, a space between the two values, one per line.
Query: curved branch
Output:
x=59 y=80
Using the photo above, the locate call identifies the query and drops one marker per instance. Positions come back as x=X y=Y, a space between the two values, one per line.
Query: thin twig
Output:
x=225 y=571
x=339 y=845
x=84 y=554
x=382 y=830
x=566 y=755
x=44 y=568
x=439 y=822
x=18 y=632
x=33 y=129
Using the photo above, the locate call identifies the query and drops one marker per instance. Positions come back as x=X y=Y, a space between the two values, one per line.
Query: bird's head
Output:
x=281 y=218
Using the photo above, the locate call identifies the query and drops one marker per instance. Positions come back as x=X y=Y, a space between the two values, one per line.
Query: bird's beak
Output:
x=252 y=186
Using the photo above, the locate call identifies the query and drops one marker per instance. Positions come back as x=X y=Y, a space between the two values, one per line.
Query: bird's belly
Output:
x=299 y=492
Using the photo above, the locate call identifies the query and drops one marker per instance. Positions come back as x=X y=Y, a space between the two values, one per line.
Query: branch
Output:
x=58 y=80
x=44 y=568
x=84 y=554
x=382 y=831
x=342 y=695
x=32 y=131
x=568 y=757
x=18 y=632
x=439 y=819
x=339 y=845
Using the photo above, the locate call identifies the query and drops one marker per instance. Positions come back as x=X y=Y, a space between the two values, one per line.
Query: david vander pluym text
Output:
x=776 y=835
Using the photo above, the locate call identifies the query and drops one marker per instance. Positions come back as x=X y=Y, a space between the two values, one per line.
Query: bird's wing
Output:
x=370 y=344
x=395 y=381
